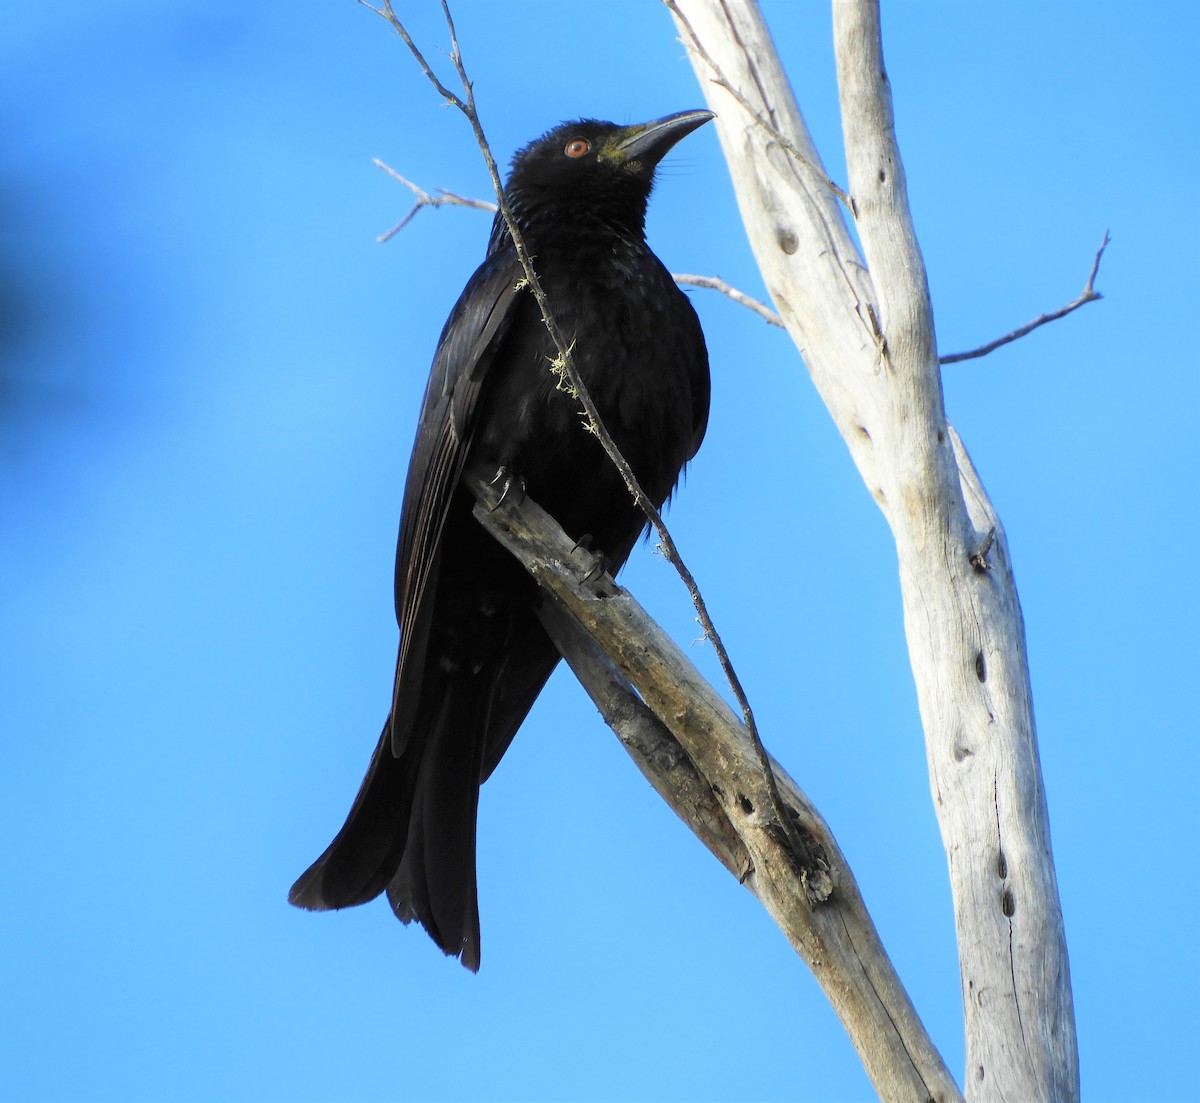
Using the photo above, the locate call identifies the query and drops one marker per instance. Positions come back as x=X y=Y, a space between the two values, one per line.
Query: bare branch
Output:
x=740 y=297
x=965 y=637
x=705 y=764
x=964 y=627
x=566 y=365
x=386 y=13
x=1089 y=295
x=665 y=764
x=720 y=79
x=443 y=198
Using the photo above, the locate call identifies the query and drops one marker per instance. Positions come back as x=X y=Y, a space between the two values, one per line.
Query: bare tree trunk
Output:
x=865 y=330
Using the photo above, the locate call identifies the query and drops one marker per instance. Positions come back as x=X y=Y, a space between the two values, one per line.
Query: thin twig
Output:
x=446 y=198
x=443 y=198
x=386 y=13
x=979 y=558
x=1089 y=295
x=713 y=283
x=723 y=82
x=566 y=365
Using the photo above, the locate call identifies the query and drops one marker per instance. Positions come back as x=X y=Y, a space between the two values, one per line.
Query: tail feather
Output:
x=411 y=829
x=435 y=882
x=529 y=660
x=362 y=858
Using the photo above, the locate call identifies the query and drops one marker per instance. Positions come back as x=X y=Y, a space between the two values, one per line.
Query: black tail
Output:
x=435 y=882
x=411 y=830
x=358 y=864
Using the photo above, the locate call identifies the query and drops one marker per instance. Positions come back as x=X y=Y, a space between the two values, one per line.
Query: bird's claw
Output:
x=599 y=560
x=510 y=480
x=597 y=570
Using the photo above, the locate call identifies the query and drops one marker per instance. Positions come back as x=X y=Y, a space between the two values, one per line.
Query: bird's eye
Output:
x=577 y=147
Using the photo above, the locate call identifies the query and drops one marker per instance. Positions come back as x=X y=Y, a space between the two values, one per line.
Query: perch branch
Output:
x=655 y=751
x=706 y=765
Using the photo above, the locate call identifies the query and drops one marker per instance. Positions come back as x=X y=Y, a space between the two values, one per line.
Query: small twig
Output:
x=979 y=558
x=592 y=414
x=723 y=82
x=1089 y=295
x=881 y=345
x=386 y=13
x=443 y=198
x=713 y=283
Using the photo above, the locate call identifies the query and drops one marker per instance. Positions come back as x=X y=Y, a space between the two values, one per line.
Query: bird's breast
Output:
x=634 y=342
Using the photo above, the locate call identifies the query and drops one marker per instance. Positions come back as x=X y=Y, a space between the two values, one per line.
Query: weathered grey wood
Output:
x=966 y=639
x=865 y=329
x=723 y=797
x=650 y=744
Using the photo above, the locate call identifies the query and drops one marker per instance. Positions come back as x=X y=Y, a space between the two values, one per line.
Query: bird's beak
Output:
x=650 y=142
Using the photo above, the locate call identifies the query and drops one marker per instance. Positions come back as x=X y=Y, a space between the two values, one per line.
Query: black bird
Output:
x=473 y=655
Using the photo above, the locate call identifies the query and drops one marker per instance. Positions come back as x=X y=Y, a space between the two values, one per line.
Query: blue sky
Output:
x=209 y=377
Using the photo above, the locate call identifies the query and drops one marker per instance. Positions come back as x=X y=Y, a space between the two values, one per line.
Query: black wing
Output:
x=466 y=350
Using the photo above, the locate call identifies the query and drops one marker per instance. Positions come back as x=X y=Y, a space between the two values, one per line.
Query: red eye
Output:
x=577 y=147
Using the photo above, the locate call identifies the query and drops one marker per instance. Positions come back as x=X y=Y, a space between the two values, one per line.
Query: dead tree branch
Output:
x=864 y=324
x=1088 y=295
x=714 y=283
x=763 y=117
x=443 y=198
x=705 y=764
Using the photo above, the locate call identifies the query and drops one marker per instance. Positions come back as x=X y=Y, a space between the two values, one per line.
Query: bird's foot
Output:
x=510 y=481
x=599 y=564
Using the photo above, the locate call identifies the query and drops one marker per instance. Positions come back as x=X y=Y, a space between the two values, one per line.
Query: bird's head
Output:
x=587 y=171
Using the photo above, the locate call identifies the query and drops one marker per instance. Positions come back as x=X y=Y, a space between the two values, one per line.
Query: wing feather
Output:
x=466 y=350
